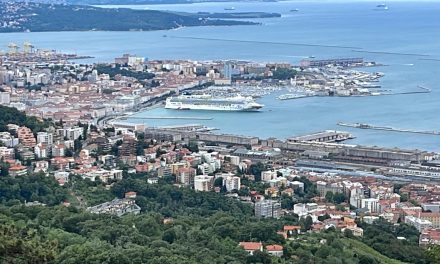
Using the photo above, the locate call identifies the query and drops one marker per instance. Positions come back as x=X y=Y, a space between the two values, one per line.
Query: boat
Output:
x=381 y=7
x=230 y=8
x=209 y=102
x=294 y=10
x=291 y=96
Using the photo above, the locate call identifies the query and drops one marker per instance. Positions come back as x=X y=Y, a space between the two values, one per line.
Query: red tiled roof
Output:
x=251 y=245
x=274 y=248
x=291 y=228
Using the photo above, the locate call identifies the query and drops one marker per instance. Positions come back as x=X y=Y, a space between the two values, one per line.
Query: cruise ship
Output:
x=208 y=102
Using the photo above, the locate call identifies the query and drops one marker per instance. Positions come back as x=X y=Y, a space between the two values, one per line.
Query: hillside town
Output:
x=325 y=183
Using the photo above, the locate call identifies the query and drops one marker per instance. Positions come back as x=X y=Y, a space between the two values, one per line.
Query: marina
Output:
x=388 y=128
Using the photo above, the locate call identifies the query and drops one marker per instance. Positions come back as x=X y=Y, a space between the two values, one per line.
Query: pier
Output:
x=189 y=127
x=268 y=42
x=323 y=136
x=387 y=128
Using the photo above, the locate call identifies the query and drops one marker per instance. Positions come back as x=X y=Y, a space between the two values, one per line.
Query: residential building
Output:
x=6 y=153
x=58 y=150
x=203 y=183
x=45 y=137
x=275 y=250
x=117 y=207
x=185 y=176
x=17 y=170
x=371 y=204
x=26 y=137
x=5 y=98
x=418 y=223
x=232 y=183
x=251 y=247
x=42 y=151
x=268 y=209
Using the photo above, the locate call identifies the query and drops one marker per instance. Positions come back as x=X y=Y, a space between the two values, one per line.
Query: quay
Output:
x=189 y=127
x=323 y=136
x=386 y=128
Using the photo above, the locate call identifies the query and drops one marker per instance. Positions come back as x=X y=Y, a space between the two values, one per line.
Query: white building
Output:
x=44 y=137
x=8 y=140
x=5 y=98
x=418 y=223
x=41 y=151
x=71 y=133
x=203 y=183
x=267 y=176
x=232 y=183
x=371 y=204
x=297 y=185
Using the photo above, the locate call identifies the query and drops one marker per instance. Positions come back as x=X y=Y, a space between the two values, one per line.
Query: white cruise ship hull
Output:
x=210 y=107
x=203 y=102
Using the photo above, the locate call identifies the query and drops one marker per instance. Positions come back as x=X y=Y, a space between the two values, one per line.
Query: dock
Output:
x=189 y=127
x=388 y=128
x=323 y=136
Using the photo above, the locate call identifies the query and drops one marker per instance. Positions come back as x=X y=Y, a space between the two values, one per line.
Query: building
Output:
x=44 y=137
x=275 y=250
x=185 y=176
x=104 y=175
x=117 y=207
x=6 y=153
x=268 y=209
x=8 y=140
x=371 y=204
x=429 y=237
x=251 y=247
x=17 y=170
x=26 y=137
x=418 y=223
x=203 y=183
x=5 y=98
x=42 y=151
x=267 y=176
x=232 y=183
x=434 y=218
x=70 y=133
x=58 y=150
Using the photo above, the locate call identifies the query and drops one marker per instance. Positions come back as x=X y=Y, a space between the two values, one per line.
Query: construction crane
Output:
x=28 y=47
x=13 y=48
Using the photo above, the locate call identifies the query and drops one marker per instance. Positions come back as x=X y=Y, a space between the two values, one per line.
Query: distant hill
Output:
x=20 y=16
x=130 y=2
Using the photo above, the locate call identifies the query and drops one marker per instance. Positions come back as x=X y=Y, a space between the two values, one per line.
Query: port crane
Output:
x=28 y=47
x=13 y=48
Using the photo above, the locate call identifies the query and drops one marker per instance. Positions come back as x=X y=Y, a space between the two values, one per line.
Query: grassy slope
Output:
x=363 y=249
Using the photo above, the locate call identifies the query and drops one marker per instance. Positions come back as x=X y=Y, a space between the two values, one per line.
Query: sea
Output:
x=405 y=38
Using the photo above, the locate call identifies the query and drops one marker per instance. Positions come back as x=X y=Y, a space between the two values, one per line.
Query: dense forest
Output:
x=113 y=71
x=9 y=115
x=202 y=228
x=41 y=17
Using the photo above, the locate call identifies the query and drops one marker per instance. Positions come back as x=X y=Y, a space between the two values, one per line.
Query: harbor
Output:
x=388 y=128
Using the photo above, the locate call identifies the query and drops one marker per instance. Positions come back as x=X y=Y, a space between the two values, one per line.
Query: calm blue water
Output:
x=408 y=27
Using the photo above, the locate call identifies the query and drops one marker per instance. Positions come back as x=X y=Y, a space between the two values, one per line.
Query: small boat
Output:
x=230 y=8
x=381 y=7
x=291 y=96
x=294 y=10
